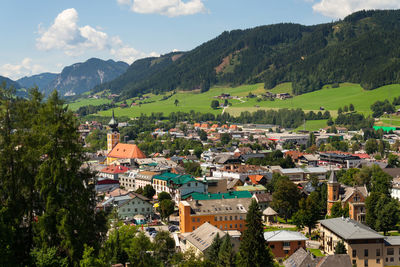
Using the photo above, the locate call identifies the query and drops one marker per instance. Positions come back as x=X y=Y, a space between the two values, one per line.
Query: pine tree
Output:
x=253 y=249
x=226 y=255
x=213 y=250
x=340 y=248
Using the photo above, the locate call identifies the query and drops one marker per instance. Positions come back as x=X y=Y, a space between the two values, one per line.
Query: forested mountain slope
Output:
x=362 y=48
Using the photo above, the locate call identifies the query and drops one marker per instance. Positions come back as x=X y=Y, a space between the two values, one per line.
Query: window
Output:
x=220 y=226
x=230 y=218
x=286 y=244
x=241 y=217
x=391 y=259
x=235 y=225
x=378 y=260
x=235 y=217
x=354 y=262
x=198 y=219
x=148 y=209
x=378 y=252
x=354 y=253
x=216 y=218
x=365 y=252
x=195 y=184
x=220 y=218
x=226 y=226
x=226 y=218
x=188 y=184
x=272 y=246
x=193 y=219
x=129 y=210
x=194 y=228
x=299 y=243
x=123 y=210
x=135 y=210
x=365 y=263
x=142 y=209
x=286 y=251
x=390 y=251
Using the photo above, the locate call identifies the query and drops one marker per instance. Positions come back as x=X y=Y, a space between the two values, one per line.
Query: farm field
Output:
x=328 y=98
x=313 y=125
x=87 y=101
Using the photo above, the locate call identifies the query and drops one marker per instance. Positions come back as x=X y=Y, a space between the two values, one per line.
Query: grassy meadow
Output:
x=328 y=98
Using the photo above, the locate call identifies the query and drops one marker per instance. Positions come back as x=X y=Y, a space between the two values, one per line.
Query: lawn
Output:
x=273 y=228
x=329 y=98
x=313 y=125
x=86 y=102
x=316 y=252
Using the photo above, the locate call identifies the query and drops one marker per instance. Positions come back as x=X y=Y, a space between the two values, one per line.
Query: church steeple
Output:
x=113 y=134
x=113 y=123
x=333 y=188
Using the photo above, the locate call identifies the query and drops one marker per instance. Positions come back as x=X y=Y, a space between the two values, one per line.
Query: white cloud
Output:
x=342 y=8
x=24 y=68
x=66 y=35
x=170 y=8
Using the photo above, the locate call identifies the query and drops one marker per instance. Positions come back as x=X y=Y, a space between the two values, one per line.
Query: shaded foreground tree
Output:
x=47 y=202
x=253 y=250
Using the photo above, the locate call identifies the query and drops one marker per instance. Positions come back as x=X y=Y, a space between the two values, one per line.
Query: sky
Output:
x=47 y=35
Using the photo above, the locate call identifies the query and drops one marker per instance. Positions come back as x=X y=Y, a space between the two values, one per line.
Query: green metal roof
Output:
x=385 y=128
x=250 y=188
x=232 y=194
x=173 y=178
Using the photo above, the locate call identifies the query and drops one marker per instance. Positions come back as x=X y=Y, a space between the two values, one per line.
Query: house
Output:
x=129 y=205
x=225 y=214
x=258 y=179
x=395 y=190
x=201 y=239
x=300 y=174
x=239 y=171
x=144 y=178
x=354 y=197
x=215 y=185
x=364 y=246
x=177 y=185
x=340 y=160
x=302 y=258
x=263 y=200
x=309 y=159
x=284 y=243
x=113 y=171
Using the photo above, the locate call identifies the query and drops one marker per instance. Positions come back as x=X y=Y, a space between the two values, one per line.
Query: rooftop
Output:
x=257 y=187
x=126 y=151
x=174 y=178
x=203 y=236
x=115 y=169
x=218 y=206
x=284 y=235
x=232 y=194
x=349 y=229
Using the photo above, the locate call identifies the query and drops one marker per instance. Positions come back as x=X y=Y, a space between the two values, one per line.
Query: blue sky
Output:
x=47 y=35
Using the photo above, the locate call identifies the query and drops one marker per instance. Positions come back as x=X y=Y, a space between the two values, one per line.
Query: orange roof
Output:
x=233 y=127
x=255 y=178
x=214 y=126
x=224 y=126
x=115 y=169
x=126 y=151
x=196 y=125
x=294 y=154
x=204 y=125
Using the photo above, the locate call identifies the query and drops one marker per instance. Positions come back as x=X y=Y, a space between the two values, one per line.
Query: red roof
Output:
x=115 y=169
x=108 y=181
x=126 y=151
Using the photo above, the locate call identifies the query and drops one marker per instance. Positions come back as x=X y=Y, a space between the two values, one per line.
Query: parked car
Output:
x=173 y=228
x=150 y=229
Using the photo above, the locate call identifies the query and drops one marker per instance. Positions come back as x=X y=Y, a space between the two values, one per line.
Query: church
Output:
x=119 y=152
x=347 y=195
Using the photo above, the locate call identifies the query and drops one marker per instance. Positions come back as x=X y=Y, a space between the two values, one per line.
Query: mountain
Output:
x=9 y=82
x=81 y=77
x=362 y=48
x=42 y=80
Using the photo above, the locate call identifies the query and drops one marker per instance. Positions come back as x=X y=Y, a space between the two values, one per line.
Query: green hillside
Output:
x=328 y=98
x=363 y=48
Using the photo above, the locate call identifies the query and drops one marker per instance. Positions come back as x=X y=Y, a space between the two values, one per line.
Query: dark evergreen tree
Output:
x=213 y=250
x=253 y=250
x=340 y=248
x=226 y=255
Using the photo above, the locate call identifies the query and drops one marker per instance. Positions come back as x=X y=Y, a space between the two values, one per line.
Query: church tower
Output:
x=113 y=134
x=333 y=187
